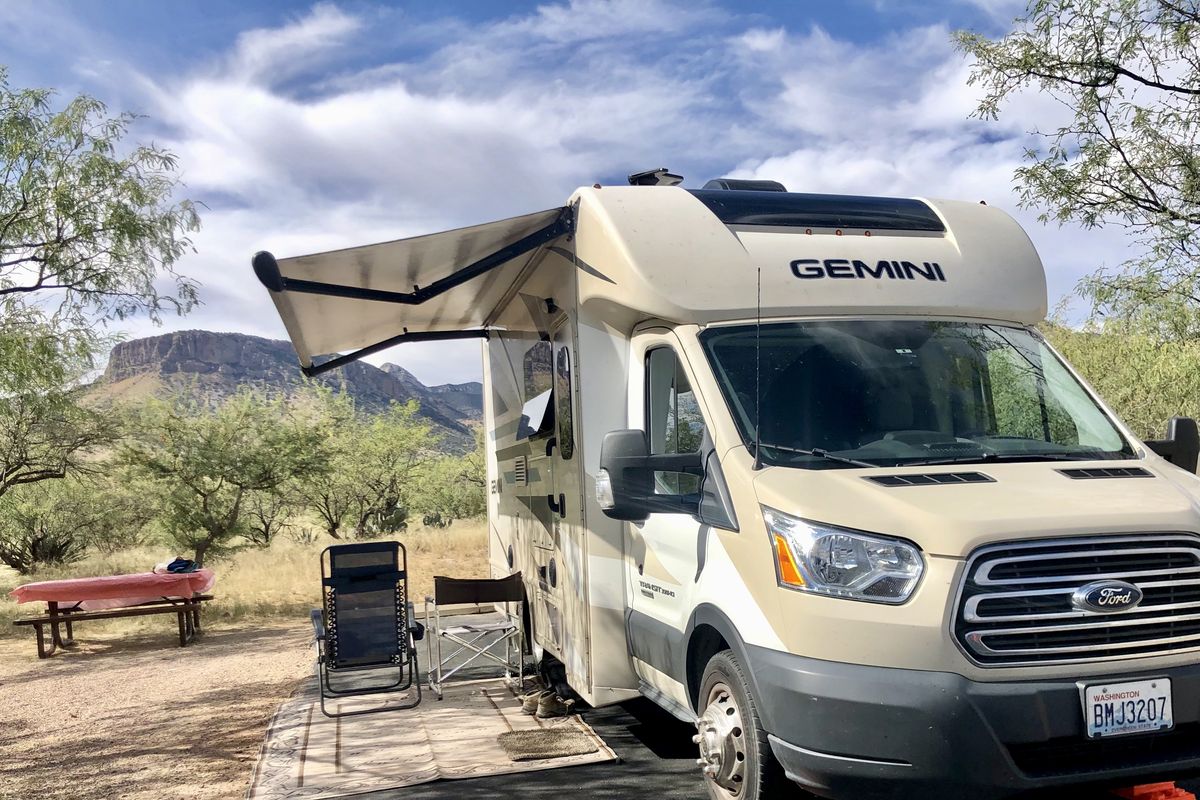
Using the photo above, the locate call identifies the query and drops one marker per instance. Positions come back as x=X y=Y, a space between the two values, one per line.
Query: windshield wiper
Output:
x=983 y=458
x=819 y=453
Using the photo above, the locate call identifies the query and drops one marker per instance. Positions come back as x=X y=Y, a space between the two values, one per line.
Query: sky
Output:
x=303 y=127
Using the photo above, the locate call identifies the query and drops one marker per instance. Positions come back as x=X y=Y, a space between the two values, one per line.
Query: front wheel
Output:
x=734 y=754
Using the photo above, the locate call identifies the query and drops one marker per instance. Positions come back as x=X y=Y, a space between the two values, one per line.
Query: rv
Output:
x=801 y=470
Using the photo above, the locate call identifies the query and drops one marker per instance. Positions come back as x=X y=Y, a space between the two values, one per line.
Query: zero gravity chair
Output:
x=366 y=624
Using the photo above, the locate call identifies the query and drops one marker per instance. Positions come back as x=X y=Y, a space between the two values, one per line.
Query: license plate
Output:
x=1116 y=709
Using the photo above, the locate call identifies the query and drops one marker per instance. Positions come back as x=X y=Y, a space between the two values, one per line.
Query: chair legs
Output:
x=407 y=676
x=478 y=647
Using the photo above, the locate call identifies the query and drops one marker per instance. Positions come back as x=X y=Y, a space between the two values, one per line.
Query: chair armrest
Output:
x=318 y=623
x=415 y=628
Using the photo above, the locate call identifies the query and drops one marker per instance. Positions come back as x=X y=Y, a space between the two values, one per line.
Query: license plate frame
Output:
x=1127 y=708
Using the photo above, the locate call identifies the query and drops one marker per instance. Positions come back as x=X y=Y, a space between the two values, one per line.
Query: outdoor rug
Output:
x=309 y=755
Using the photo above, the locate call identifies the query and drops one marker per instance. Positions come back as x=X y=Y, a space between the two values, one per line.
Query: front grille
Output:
x=1015 y=605
x=1075 y=755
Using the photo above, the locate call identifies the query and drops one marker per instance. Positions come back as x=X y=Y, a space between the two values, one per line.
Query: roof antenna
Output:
x=758 y=376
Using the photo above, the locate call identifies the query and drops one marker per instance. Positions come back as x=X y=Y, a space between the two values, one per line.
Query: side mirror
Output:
x=625 y=485
x=1182 y=445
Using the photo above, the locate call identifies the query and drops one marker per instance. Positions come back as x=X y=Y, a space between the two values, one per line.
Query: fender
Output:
x=710 y=615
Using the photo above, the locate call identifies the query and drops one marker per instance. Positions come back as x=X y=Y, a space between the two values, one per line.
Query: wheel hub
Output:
x=722 y=740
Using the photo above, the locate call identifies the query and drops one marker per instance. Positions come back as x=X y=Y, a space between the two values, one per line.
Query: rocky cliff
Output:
x=215 y=365
x=464 y=399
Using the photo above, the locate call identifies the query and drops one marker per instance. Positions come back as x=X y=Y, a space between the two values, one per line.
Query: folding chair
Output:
x=367 y=623
x=476 y=638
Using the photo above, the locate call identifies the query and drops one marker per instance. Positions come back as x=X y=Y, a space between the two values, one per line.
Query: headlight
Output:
x=833 y=561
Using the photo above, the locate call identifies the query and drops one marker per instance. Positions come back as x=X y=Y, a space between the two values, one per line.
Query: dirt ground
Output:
x=132 y=716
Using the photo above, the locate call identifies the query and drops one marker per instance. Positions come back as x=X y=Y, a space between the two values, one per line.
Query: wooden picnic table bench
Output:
x=186 y=609
x=114 y=597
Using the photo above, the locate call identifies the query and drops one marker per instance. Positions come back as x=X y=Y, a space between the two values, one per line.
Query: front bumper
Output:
x=849 y=731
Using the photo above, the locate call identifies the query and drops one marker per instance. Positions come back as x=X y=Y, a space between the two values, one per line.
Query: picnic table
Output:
x=114 y=596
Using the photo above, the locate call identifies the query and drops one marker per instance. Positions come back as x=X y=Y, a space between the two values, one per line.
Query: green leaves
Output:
x=84 y=220
x=1128 y=73
x=1145 y=379
x=91 y=230
x=54 y=522
x=209 y=465
x=376 y=467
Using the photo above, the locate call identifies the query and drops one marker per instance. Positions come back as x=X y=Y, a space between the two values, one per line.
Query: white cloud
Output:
x=999 y=11
x=269 y=55
x=314 y=134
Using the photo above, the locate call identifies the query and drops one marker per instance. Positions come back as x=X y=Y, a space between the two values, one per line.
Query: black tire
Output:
x=762 y=777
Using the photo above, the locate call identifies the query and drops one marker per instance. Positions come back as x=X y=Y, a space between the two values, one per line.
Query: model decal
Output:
x=809 y=268
x=650 y=589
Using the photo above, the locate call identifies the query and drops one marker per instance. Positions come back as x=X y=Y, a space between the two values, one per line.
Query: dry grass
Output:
x=280 y=581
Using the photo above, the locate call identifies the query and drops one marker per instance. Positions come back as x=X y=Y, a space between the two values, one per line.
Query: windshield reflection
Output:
x=892 y=392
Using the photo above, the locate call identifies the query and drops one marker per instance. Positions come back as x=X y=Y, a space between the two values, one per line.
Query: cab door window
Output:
x=673 y=420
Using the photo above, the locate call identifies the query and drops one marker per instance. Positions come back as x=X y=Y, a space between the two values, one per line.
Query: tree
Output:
x=90 y=231
x=374 y=468
x=1128 y=72
x=47 y=436
x=83 y=225
x=453 y=487
x=54 y=522
x=268 y=513
x=1146 y=380
x=210 y=463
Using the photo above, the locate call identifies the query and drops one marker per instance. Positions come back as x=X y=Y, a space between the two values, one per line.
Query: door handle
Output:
x=560 y=507
x=551 y=443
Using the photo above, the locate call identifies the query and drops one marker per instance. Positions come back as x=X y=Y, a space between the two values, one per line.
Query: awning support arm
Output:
x=313 y=370
x=267 y=270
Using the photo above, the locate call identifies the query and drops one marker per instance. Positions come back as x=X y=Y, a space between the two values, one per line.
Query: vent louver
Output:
x=520 y=471
x=1107 y=472
x=931 y=479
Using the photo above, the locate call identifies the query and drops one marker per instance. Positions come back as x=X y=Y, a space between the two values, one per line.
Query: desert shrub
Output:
x=1145 y=379
x=55 y=522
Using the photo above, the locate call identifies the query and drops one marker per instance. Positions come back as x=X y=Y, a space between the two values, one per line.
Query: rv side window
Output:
x=537 y=412
x=537 y=369
x=673 y=421
x=562 y=393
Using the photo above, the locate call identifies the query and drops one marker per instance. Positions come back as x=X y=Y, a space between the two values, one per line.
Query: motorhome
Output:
x=802 y=470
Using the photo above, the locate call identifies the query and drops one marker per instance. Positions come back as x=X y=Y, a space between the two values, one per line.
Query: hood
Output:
x=1023 y=500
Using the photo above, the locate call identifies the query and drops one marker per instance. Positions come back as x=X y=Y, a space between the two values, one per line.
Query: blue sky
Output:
x=307 y=126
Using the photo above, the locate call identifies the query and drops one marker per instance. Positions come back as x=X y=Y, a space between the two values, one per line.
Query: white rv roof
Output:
x=695 y=256
x=674 y=254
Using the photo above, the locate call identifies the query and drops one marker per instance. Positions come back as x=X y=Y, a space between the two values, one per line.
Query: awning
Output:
x=441 y=286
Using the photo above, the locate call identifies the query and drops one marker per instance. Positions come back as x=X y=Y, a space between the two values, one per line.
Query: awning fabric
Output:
x=427 y=286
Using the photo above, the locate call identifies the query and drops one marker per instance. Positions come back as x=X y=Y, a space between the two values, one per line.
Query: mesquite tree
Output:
x=90 y=231
x=1128 y=74
x=208 y=464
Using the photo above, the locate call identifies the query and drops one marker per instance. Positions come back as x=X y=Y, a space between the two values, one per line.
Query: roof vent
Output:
x=655 y=177
x=1107 y=472
x=931 y=479
x=739 y=185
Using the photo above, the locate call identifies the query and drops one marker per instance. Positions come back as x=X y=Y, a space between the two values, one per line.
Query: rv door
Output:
x=662 y=551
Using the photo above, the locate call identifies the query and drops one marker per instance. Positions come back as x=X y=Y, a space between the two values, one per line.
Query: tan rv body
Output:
x=640 y=608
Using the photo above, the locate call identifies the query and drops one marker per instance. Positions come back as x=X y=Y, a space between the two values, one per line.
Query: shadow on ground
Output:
x=142 y=718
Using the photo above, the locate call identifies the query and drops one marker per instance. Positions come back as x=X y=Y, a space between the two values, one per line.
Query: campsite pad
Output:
x=309 y=755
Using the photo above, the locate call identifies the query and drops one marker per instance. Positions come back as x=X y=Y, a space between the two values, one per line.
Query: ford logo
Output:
x=1106 y=597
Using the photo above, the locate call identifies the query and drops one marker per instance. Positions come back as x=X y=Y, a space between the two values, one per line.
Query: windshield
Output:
x=889 y=392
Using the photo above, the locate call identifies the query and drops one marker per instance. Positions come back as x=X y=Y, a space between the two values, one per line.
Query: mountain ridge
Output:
x=213 y=364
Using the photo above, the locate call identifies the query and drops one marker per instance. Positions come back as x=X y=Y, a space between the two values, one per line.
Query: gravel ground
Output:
x=132 y=717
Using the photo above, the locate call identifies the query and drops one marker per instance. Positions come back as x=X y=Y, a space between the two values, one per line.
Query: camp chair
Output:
x=367 y=622
x=476 y=638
